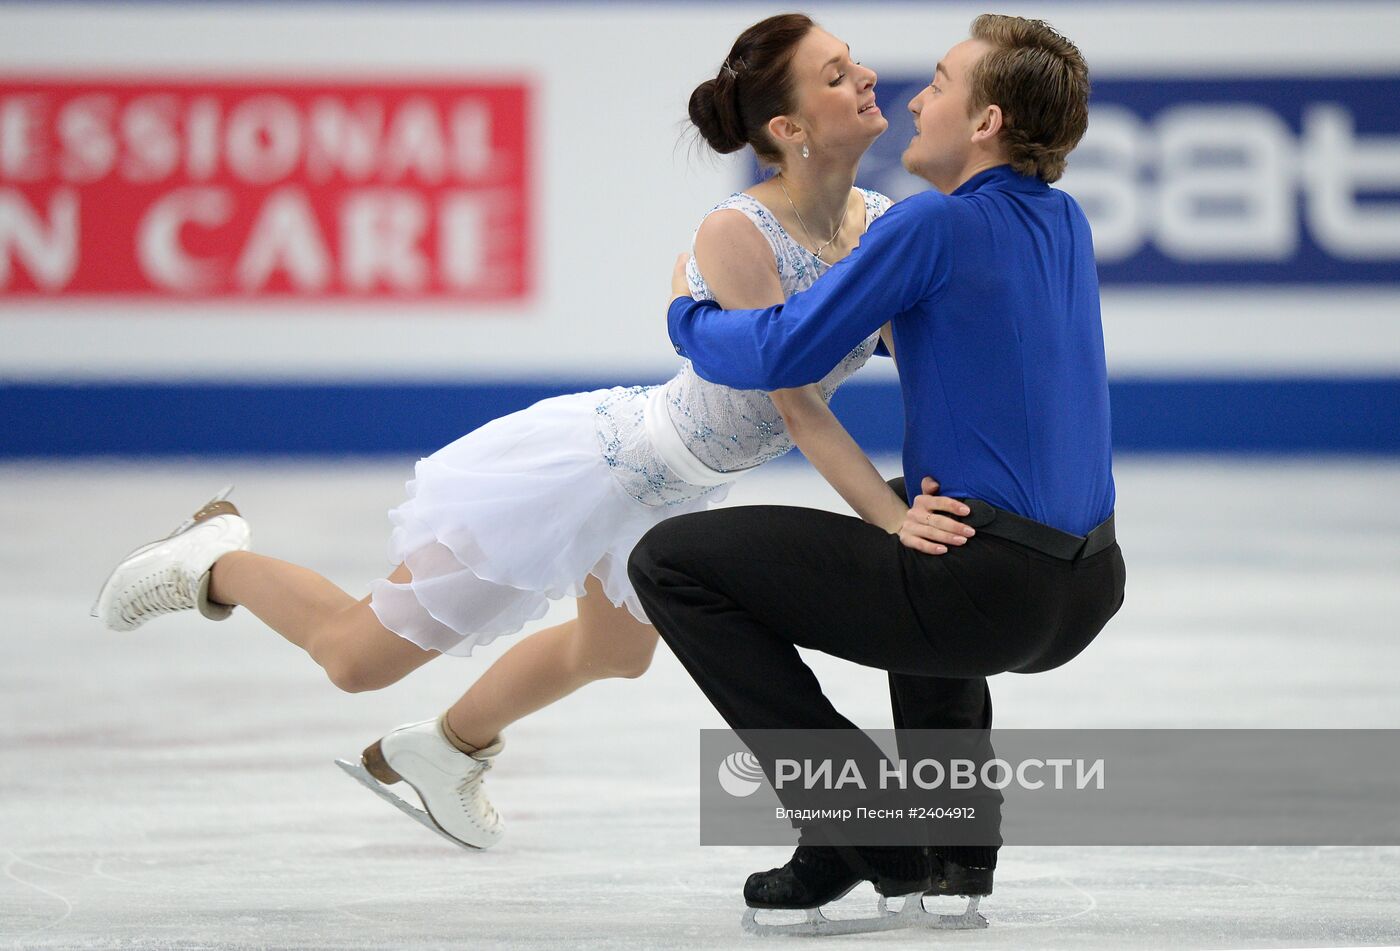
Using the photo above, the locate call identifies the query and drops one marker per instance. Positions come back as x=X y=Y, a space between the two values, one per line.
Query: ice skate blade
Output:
x=363 y=777
x=921 y=917
x=911 y=915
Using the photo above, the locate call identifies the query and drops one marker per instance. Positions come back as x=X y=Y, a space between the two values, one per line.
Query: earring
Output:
x=805 y=153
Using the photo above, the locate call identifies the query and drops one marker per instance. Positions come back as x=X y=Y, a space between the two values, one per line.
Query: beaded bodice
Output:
x=726 y=429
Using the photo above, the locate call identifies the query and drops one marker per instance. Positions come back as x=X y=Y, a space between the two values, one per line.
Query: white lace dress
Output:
x=523 y=509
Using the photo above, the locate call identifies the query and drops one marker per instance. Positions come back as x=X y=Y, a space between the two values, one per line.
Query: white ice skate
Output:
x=172 y=574
x=447 y=781
x=912 y=914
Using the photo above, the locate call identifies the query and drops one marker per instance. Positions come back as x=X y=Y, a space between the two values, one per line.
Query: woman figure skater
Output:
x=549 y=501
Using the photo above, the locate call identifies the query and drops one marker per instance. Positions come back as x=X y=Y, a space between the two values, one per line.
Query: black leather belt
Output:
x=1038 y=535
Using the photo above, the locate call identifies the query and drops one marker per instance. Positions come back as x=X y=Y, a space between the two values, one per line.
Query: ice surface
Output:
x=174 y=787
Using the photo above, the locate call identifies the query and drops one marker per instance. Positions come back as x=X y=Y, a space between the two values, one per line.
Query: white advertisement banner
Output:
x=497 y=191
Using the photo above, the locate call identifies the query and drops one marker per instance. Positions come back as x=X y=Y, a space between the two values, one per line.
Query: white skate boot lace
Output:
x=471 y=794
x=161 y=592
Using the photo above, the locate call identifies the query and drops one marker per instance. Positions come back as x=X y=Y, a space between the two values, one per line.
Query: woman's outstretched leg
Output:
x=341 y=634
x=205 y=565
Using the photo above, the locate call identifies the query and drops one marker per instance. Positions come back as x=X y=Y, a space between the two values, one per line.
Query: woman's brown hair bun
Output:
x=733 y=109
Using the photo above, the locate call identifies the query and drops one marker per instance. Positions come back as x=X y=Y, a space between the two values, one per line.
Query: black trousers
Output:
x=735 y=591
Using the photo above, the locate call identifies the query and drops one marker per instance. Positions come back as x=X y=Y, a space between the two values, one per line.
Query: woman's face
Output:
x=835 y=96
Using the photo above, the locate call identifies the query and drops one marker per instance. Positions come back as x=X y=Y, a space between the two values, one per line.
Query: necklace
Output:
x=839 y=225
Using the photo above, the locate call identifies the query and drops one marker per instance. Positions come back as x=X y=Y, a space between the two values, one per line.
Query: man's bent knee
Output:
x=657 y=550
x=642 y=562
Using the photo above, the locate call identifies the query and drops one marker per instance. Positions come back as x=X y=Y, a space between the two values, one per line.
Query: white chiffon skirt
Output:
x=505 y=519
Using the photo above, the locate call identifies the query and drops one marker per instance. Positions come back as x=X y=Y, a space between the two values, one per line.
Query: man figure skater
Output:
x=990 y=286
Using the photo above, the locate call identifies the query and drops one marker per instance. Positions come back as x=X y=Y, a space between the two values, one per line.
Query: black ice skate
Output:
x=816 y=876
x=949 y=878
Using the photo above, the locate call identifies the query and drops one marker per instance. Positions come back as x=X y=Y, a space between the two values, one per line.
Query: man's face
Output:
x=942 y=142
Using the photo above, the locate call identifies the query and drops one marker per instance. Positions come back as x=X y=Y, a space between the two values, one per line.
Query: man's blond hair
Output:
x=1040 y=81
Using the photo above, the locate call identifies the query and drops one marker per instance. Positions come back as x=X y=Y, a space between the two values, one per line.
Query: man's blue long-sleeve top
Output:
x=994 y=302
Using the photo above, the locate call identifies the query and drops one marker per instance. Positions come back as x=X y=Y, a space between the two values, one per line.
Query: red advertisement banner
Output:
x=244 y=189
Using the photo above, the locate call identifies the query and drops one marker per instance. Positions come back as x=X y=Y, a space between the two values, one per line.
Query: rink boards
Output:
x=433 y=214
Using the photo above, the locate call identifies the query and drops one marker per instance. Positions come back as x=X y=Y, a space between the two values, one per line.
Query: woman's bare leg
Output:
x=603 y=641
x=341 y=634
